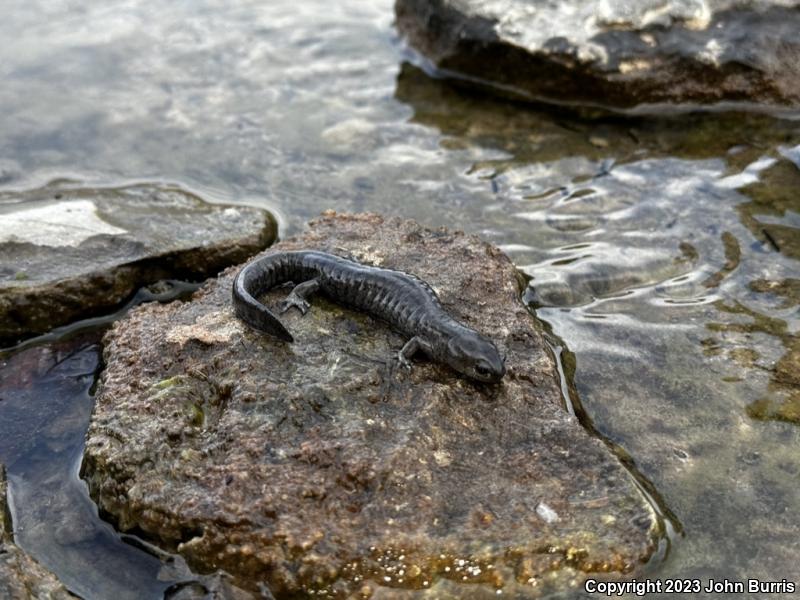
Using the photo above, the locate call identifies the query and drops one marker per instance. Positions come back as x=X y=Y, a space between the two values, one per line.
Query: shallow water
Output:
x=46 y=387
x=43 y=449
x=664 y=252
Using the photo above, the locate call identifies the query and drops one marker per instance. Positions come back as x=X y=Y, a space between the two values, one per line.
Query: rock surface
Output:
x=67 y=252
x=616 y=54
x=21 y=577
x=319 y=469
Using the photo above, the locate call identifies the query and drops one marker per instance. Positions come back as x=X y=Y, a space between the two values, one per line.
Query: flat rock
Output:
x=320 y=469
x=619 y=54
x=68 y=252
x=21 y=577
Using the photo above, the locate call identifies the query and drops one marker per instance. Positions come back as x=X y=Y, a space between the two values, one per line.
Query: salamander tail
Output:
x=259 y=317
x=255 y=314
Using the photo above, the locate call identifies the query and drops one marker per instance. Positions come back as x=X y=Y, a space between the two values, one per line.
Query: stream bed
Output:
x=662 y=252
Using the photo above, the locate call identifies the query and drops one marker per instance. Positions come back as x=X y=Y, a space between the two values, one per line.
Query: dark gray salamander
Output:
x=404 y=301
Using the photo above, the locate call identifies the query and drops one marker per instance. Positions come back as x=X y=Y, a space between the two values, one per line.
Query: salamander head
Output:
x=475 y=356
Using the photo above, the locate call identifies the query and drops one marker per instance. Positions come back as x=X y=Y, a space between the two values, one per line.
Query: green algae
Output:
x=774 y=409
x=772 y=197
x=169 y=382
x=733 y=255
x=783 y=403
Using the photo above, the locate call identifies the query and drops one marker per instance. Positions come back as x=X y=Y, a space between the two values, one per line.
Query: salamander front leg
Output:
x=297 y=297
x=412 y=346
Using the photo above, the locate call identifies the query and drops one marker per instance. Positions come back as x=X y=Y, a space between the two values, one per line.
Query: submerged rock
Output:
x=617 y=54
x=319 y=468
x=21 y=577
x=66 y=252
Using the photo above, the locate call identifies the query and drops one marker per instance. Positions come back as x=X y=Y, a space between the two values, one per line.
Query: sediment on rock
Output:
x=67 y=253
x=615 y=54
x=317 y=468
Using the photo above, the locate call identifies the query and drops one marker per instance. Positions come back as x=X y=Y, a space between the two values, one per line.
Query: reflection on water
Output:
x=45 y=404
x=42 y=449
x=662 y=251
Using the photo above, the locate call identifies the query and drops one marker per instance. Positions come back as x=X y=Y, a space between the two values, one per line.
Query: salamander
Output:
x=404 y=301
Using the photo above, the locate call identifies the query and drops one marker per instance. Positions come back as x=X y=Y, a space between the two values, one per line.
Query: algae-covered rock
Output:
x=21 y=577
x=618 y=54
x=67 y=252
x=320 y=469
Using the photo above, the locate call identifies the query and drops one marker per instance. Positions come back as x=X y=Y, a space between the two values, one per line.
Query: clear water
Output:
x=51 y=510
x=46 y=387
x=664 y=251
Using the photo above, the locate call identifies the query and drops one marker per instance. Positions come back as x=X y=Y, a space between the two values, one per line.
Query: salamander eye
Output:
x=483 y=371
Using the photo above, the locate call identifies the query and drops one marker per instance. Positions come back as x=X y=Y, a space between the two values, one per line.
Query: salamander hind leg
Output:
x=298 y=296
